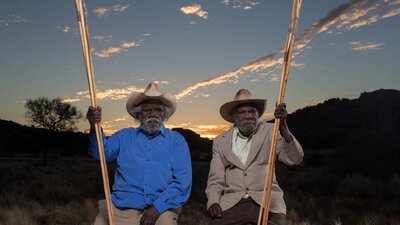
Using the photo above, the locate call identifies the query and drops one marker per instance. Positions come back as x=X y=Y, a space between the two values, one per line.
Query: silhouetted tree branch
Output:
x=52 y=114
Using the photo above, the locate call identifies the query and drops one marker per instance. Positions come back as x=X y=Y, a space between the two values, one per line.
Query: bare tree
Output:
x=53 y=115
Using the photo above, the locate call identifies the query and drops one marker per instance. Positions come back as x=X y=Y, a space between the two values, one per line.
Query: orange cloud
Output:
x=105 y=53
x=114 y=94
x=205 y=131
x=262 y=63
x=194 y=9
x=69 y=100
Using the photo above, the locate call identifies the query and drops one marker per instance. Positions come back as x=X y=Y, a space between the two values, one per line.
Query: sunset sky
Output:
x=201 y=51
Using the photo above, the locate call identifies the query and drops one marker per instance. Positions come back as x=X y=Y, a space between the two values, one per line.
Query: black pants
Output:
x=246 y=213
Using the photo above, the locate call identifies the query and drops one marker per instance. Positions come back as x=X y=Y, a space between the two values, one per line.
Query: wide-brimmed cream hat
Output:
x=243 y=96
x=152 y=92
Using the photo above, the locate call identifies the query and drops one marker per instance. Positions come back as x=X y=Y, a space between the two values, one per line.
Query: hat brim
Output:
x=227 y=108
x=138 y=98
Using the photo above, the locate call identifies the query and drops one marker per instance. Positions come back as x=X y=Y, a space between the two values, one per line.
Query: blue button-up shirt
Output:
x=152 y=170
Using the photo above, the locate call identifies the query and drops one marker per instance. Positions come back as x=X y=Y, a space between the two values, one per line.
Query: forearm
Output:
x=290 y=153
x=213 y=193
x=110 y=147
x=285 y=133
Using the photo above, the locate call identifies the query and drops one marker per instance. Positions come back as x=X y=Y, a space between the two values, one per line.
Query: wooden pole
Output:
x=264 y=209
x=85 y=41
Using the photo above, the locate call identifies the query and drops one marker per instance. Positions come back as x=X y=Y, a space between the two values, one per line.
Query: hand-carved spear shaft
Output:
x=264 y=209
x=85 y=39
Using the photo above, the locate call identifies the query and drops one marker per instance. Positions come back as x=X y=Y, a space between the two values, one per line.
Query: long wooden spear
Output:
x=85 y=40
x=264 y=209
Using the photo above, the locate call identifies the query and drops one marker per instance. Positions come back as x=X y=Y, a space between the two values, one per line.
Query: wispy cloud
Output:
x=103 y=38
x=390 y=13
x=365 y=46
x=12 y=19
x=103 y=11
x=275 y=78
x=120 y=7
x=241 y=4
x=162 y=82
x=70 y=100
x=259 y=64
x=123 y=118
x=107 y=94
x=66 y=29
x=345 y=17
x=113 y=93
x=107 y=52
x=194 y=9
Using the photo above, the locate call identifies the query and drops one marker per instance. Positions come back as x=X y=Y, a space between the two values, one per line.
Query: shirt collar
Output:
x=237 y=133
x=161 y=131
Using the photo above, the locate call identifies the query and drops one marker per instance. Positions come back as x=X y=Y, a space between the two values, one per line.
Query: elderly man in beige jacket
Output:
x=240 y=157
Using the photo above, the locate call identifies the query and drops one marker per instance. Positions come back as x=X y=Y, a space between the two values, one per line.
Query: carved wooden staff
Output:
x=264 y=209
x=85 y=39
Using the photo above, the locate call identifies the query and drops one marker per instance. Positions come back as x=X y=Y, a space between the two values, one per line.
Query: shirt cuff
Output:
x=160 y=205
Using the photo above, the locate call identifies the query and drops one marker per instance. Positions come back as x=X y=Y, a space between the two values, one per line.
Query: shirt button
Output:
x=148 y=160
x=247 y=189
x=245 y=174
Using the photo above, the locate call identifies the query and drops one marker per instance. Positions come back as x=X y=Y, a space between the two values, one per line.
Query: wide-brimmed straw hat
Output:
x=151 y=93
x=243 y=96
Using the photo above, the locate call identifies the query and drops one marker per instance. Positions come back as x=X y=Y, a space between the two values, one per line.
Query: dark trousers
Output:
x=246 y=213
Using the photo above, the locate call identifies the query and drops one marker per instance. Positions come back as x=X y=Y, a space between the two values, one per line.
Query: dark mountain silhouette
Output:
x=358 y=136
x=16 y=139
x=200 y=148
x=336 y=122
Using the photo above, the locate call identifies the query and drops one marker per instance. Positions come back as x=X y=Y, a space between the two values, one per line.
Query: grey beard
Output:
x=152 y=125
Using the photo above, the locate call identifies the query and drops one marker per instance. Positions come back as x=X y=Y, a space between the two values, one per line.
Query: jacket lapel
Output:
x=256 y=143
x=227 y=149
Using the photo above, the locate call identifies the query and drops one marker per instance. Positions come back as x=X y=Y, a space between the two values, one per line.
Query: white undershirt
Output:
x=241 y=145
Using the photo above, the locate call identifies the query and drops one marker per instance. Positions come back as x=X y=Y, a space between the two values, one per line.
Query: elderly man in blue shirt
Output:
x=153 y=177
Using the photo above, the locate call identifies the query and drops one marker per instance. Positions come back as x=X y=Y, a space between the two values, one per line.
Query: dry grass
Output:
x=67 y=190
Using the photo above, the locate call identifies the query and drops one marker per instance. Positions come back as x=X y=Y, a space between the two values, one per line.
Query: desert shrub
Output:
x=394 y=186
x=374 y=219
x=359 y=185
x=17 y=216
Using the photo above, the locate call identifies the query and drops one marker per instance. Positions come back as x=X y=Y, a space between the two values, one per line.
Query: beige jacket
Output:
x=229 y=180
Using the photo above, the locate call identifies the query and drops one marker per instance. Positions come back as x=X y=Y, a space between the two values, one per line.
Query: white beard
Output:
x=152 y=125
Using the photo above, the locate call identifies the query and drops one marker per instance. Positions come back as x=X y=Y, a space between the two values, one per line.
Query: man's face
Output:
x=246 y=118
x=152 y=117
